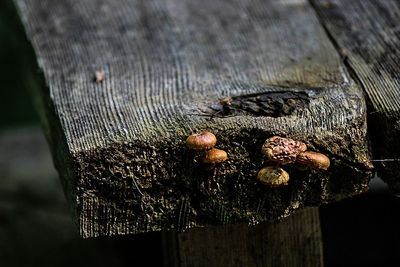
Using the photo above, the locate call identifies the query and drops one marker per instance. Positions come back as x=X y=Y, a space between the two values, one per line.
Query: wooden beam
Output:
x=119 y=145
x=294 y=241
x=368 y=34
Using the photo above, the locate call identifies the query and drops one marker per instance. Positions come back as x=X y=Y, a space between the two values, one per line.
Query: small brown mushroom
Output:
x=273 y=176
x=282 y=150
x=327 y=4
x=314 y=160
x=226 y=101
x=214 y=156
x=98 y=76
x=343 y=54
x=201 y=141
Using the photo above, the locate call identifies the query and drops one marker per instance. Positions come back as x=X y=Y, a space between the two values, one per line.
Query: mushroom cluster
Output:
x=204 y=142
x=284 y=151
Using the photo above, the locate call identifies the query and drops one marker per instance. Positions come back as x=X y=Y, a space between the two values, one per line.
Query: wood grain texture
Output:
x=370 y=33
x=294 y=241
x=166 y=65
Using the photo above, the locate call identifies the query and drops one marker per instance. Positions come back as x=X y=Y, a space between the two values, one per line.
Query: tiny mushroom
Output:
x=327 y=4
x=282 y=150
x=201 y=141
x=273 y=176
x=226 y=101
x=214 y=156
x=314 y=160
x=98 y=76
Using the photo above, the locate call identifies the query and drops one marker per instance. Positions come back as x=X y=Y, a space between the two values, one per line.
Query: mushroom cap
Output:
x=273 y=176
x=201 y=141
x=282 y=150
x=214 y=156
x=226 y=101
x=315 y=160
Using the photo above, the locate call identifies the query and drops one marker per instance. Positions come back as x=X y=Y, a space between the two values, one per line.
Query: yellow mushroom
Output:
x=273 y=176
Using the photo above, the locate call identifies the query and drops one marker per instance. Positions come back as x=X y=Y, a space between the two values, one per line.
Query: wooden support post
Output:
x=294 y=241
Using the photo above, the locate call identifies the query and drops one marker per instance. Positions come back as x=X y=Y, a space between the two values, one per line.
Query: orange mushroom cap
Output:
x=201 y=141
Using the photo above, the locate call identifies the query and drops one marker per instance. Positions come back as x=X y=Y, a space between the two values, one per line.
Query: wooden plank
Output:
x=369 y=32
x=119 y=144
x=294 y=241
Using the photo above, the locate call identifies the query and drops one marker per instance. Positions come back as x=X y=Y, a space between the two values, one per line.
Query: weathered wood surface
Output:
x=119 y=144
x=266 y=244
x=369 y=32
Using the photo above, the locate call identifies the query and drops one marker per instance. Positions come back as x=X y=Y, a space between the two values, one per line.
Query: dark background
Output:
x=36 y=228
